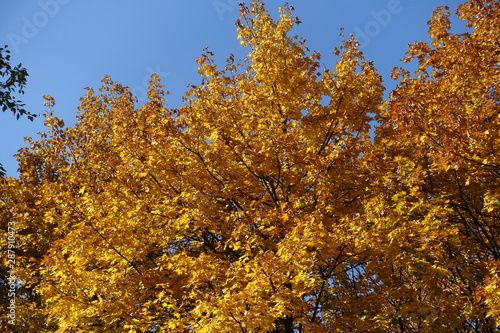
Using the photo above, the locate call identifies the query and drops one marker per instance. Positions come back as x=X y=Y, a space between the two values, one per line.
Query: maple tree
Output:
x=262 y=204
x=438 y=151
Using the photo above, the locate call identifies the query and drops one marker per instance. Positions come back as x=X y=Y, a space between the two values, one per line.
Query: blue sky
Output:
x=67 y=45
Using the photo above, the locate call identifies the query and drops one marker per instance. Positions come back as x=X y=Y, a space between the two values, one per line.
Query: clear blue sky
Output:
x=67 y=45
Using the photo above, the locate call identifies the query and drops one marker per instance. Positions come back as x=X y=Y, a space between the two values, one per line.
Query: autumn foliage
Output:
x=263 y=204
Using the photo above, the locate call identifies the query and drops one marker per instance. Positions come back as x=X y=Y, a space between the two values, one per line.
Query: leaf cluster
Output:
x=13 y=82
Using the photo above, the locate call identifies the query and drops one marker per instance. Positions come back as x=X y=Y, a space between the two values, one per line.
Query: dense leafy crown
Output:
x=263 y=204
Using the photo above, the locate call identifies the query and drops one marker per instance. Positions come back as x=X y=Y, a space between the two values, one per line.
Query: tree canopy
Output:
x=263 y=203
